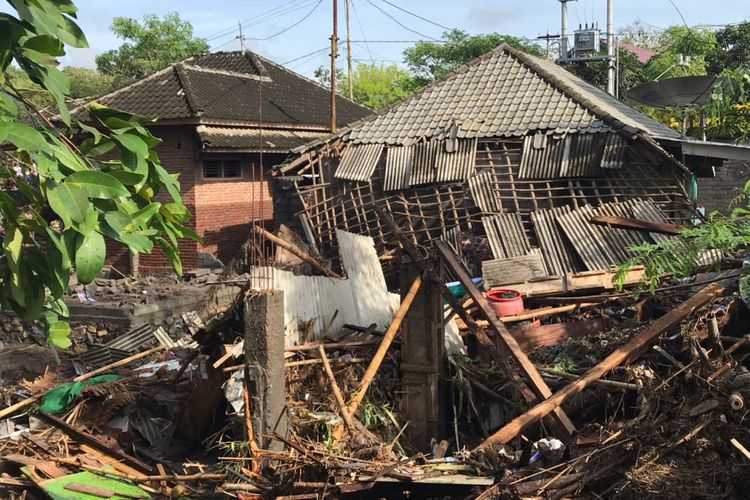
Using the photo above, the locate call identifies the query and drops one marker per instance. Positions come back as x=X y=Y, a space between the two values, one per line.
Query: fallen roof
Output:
x=505 y=93
x=232 y=87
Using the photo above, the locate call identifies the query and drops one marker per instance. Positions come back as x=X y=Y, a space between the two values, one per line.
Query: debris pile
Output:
x=617 y=395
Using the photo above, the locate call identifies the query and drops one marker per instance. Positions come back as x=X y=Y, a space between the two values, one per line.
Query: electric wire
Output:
x=276 y=12
x=392 y=18
x=679 y=12
x=362 y=30
x=303 y=19
x=418 y=16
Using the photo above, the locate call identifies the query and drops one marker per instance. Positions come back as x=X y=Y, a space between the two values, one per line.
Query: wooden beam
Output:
x=294 y=250
x=385 y=344
x=336 y=390
x=530 y=373
x=631 y=350
x=637 y=224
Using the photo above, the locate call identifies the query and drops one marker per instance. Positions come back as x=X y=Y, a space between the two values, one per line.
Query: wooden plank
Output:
x=637 y=224
x=514 y=269
x=533 y=337
x=536 y=382
x=631 y=350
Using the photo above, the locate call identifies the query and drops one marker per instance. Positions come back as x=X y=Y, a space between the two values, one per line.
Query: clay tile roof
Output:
x=232 y=87
x=253 y=139
x=505 y=93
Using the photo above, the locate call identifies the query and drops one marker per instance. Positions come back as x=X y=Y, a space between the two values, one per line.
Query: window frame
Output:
x=222 y=177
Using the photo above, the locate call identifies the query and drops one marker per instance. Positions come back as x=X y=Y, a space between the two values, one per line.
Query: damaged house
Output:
x=225 y=119
x=507 y=159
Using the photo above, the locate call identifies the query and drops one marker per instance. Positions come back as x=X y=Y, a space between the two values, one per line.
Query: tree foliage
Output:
x=429 y=61
x=631 y=72
x=379 y=87
x=69 y=187
x=149 y=46
x=733 y=44
x=85 y=82
x=693 y=45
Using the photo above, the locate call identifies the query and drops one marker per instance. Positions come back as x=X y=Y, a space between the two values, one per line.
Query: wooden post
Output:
x=632 y=349
x=423 y=358
x=390 y=334
x=294 y=250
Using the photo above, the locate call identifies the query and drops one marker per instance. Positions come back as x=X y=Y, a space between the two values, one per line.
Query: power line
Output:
x=387 y=14
x=305 y=56
x=362 y=29
x=278 y=11
x=303 y=19
x=679 y=12
x=418 y=16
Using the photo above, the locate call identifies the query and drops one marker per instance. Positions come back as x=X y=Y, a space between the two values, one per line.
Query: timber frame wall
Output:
x=438 y=211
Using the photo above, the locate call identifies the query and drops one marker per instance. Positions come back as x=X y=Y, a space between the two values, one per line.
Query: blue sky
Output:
x=526 y=18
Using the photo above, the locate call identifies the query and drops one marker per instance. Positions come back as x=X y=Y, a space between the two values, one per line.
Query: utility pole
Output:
x=611 y=69
x=334 y=54
x=241 y=37
x=564 y=29
x=349 y=52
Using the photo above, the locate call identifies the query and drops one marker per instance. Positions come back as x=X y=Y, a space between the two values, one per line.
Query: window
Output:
x=222 y=169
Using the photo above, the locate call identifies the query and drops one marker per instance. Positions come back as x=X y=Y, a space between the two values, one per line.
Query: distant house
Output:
x=507 y=158
x=643 y=55
x=225 y=119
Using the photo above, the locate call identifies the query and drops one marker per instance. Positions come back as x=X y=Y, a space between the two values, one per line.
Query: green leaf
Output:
x=90 y=254
x=62 y=248
x=13 y=245
x=8 y=107
x=71 y=160
x=48 y=167
x=59 y=334
x=89 y=224
x=133 y=143
x=23 y=136
x=170 y=181
x=97 y=184
x=8 y=206
x=144 y=215
x=91 y=130
x=46 y=44
x=68 y=201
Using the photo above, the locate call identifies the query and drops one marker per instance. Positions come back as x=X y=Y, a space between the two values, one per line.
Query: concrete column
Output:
x=423 y=361
x=264 y=354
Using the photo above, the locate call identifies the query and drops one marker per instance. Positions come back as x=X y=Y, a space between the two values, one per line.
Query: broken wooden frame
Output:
x=445 y=210
x=631 y=350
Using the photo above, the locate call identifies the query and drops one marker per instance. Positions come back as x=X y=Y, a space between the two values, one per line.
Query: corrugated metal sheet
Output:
x=397 y=167
x=458 y=165
x=99 y=356
x=542 y=156
x=514 y=270
x=134 y=339
x=482 y=187
x=358 y=162
x=362 y=299
x=557 y=258
x=506 y=235
x=423 y=163
x=582 y=155
x=613 y=155
x=547 y=156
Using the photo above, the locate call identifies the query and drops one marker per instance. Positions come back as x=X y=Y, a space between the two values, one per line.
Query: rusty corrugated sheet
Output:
x=613 y=155
x=555 y=250
x=506 y=235
x=482 y=188
x=542 y=156
x=397 y=167
x=358 y=162
x=423 y=163
x=547 y=156
x=458 y=165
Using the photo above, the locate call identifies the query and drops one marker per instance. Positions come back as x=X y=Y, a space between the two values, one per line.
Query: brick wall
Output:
x=716 y=193
x=226 y=207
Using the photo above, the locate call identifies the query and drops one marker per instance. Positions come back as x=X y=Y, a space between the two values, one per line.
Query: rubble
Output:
x=647 y=395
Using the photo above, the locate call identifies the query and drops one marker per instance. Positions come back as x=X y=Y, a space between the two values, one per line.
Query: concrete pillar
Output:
x=264 y=354
x=423 y=361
